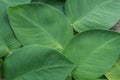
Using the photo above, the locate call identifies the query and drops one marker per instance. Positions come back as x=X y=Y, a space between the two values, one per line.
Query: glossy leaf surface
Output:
x=37 y=63
x=94 y=52
x=44 y=25
x=92 y=14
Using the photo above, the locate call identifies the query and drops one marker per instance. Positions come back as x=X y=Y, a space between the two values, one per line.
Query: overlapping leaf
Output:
x=69 y=77
x=3 y=48
x=16 y=2
x=5 y=30
x=57 y=3
x=92 y=14
x=36 y=63
x=41 y=24
x=103 y=78
x=94 y=52
x=114 y=73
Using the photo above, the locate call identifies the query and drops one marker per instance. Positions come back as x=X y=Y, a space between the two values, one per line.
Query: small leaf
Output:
x=114 y=73
x=36 y=63
x=16 y=2
x=92 y=14
x=44 y=25
x=93 y=52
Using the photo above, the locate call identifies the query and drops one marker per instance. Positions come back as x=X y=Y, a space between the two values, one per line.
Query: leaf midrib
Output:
x=35 y=24
x=97 y=49
x=40 y=69
x=78 y=20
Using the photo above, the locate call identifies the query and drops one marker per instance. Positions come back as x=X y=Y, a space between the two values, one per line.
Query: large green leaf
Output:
x=38 y=23
x=94 y=52
x=16 y=2
x=92 y=14
x=37 y=63
x=114 y=73
x=56 y=3
x=5 y=30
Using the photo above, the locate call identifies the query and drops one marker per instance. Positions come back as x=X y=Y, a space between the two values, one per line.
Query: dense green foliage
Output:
x=59 y=40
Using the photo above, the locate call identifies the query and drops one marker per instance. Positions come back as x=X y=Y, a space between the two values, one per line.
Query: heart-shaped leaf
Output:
x=5 y=30
x=92 y=14
x=16 y=2
x=56 y=3
x=94 y=52
x=114 y=73
x=44 y=25
x=36 y=63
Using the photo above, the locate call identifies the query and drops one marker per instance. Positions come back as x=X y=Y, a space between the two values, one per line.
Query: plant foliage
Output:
x=59 y=40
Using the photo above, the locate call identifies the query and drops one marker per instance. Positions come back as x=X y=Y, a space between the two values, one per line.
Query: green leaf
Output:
x=56 y=3
x=16 y=2
x=69 y=77
x=3 y=48
x=44 y=25
x=5 y=30
x=102 y=78
x=36 y=63
x=93 y=52
x=92 y=14
x=114 y=73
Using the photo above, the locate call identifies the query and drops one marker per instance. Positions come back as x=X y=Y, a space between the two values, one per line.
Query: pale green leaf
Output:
x=114 y=73
x=16 y=2
x=92 y=14
x=41 y=24
x=94 y=52
x=5 y=30
x=37 y=63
